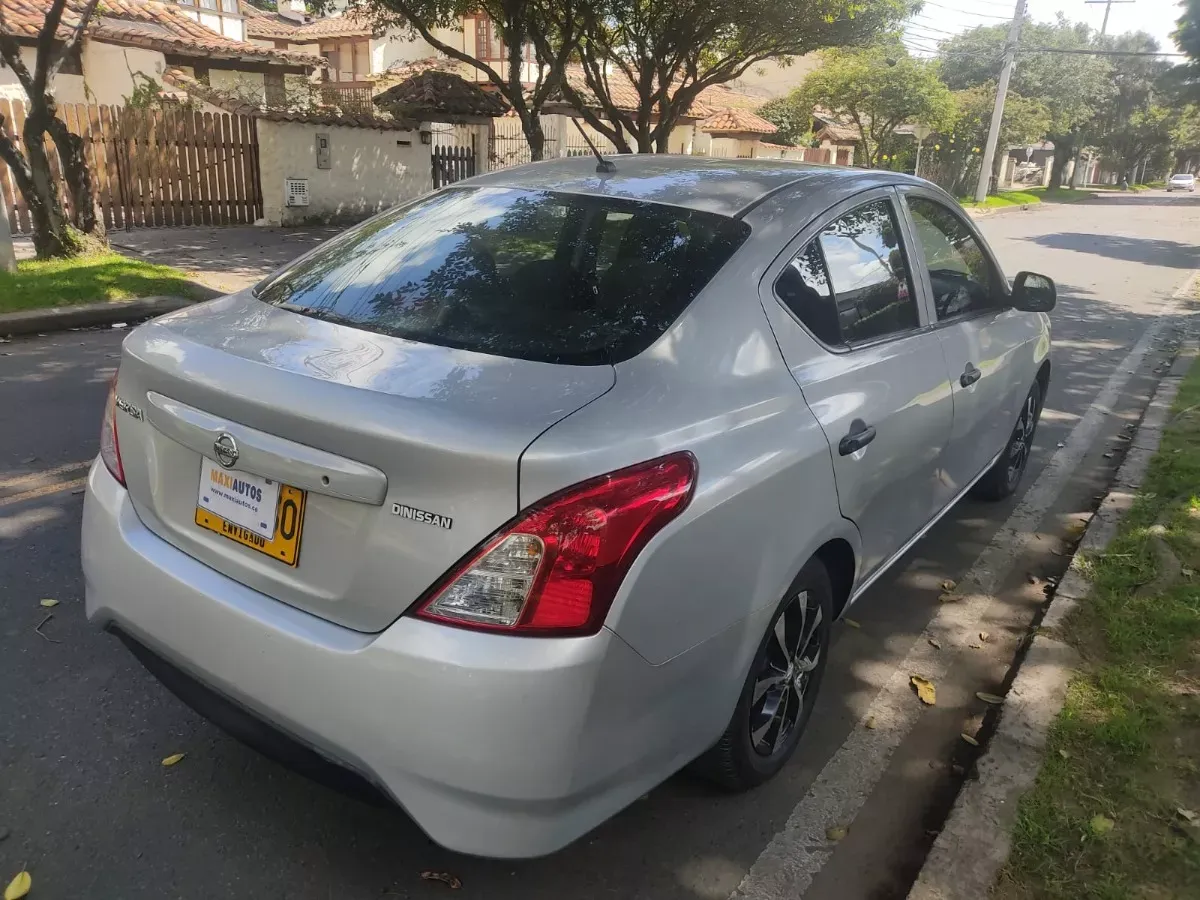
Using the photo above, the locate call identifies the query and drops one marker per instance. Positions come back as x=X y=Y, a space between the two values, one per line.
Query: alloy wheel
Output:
x=781 y=684
x=1022 y=438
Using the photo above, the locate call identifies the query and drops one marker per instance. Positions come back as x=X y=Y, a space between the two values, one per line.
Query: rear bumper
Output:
x=495 y=745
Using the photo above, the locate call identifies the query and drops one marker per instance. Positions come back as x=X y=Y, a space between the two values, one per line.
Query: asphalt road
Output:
x=87 y=808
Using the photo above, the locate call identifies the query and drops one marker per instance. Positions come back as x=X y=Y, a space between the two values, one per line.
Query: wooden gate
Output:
x=451 y=164
x=153 y=167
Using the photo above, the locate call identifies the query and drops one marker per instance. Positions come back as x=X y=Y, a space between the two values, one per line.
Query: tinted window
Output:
x=528 y=274
x=804 y=287
x=868 y=274
x=958 y=270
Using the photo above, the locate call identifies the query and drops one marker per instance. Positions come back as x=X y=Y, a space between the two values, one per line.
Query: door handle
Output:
x=970 y=375
x=860 y=435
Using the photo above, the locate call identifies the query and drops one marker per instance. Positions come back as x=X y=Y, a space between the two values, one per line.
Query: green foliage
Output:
x=877 y=90
x=1133 y=123
x=793 y=120
x=1187 y=36
x=1070 y=86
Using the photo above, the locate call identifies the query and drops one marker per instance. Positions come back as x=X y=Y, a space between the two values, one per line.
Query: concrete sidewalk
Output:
x=225 y=259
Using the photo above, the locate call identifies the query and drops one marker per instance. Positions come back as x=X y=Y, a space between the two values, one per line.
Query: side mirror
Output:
x=1033 y=292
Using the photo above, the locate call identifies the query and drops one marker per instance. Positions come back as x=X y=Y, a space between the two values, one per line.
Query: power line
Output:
x=930 y=28
x=1098 y=52
x=967 y=12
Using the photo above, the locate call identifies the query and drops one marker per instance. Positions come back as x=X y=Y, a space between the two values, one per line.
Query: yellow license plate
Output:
x=289 y=525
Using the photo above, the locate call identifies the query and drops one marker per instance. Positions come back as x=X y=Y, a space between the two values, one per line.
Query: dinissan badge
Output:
x=423 y=516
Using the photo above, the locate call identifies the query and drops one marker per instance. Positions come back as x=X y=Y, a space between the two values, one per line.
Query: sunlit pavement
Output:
x=90 y=812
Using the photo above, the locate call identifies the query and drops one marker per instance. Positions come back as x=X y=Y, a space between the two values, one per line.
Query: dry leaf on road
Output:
x=969 y=739
x=1188 y=815
x=173 y=758
x=947 y=598
x=852 y=623
x=975 y=646
x=18 y=887
x=870 y=722
x=948 y=585
x=984 y=636
x=989 y=698
x=925 y=689
x=837 y=832
x=935 y=643
x=444 y=877
x=48 y=602
x=1064 y=754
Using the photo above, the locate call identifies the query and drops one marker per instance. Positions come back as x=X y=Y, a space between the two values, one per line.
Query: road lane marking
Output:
x=43 y=491
x=7 y=483
x=788 y=864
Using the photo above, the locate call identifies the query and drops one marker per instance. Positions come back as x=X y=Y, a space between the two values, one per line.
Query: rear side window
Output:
x=538 y=275
x=851 y=284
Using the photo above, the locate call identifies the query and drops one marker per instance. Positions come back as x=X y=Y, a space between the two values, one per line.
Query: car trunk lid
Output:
x=398 y=457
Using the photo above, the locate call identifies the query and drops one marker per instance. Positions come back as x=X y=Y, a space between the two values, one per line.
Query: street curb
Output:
x=60 y=318
x=975 y=842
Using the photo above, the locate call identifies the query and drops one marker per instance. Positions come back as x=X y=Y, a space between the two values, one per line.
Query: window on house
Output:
x=348 y=60
x=223 y=16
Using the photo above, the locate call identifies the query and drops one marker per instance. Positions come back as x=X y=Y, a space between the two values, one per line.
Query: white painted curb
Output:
x=974 y=844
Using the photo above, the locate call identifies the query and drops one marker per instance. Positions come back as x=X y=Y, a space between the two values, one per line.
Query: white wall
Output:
x=248 y=85
x=369 y=171
x=108 y=71
x=396 y=46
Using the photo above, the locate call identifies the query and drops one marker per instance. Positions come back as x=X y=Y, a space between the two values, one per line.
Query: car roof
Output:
x=729 y=187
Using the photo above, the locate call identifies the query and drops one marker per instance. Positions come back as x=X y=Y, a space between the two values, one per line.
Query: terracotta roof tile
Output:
x=736 y=120
x=434 y=92
x=239 y=106
x=261 y=23
x=148 y=24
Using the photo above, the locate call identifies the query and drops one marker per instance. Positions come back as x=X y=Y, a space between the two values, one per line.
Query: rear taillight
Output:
x=110 y=449
x=556 y=569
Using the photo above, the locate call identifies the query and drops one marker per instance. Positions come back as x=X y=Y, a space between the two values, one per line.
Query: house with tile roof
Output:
x=129 y=44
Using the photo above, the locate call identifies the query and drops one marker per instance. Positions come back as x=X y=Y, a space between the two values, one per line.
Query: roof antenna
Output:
x=603 y=166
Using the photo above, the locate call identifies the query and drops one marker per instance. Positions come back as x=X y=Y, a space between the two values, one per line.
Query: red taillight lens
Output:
x=110 y=449
x=556 y=569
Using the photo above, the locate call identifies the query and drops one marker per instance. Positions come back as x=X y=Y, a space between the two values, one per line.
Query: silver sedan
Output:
x=509 y=503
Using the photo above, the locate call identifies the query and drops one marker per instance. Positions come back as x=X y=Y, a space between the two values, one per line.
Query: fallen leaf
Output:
x=925 y=689
x=852 y=623
x=1076 y=528
x=1065 y=754
x=969 y=739
x=1188 y=815
x=957 y=769
x=1187 y=573
x=444 y=877
x=984 y=636
x=947 y=598
x=173 y=758
x=935 y=643
x=18 y=887
x=993 y=699
x=1061 y=445
x=1031 y=578
x=837 y=832
x=1101 y=824
x=869 y=723
x=1108 y=456
x=947 y=585
x=48 y=602
x=975 y=646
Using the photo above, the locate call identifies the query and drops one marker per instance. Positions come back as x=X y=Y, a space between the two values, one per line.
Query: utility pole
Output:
x=989 y=150
x=1108 y=5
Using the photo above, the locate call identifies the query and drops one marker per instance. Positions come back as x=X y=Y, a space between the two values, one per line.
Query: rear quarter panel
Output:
x=716 y=385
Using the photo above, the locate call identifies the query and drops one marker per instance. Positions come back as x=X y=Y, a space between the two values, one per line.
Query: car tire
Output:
x=1003 y=477
x=780 y=690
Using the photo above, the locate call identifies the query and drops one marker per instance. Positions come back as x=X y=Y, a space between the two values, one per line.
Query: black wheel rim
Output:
x=1022 y=438
x=781 y=685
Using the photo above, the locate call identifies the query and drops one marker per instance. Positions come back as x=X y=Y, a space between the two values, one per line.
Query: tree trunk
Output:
x=534 y=136
x=51 y=233
x=78 y=176
x=1064 y=149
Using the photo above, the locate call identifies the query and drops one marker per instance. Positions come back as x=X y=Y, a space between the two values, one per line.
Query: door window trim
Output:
x=918 y=252
x=813 y=230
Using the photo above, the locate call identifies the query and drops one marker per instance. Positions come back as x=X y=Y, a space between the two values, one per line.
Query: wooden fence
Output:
x=451 y=164
x=153 y=167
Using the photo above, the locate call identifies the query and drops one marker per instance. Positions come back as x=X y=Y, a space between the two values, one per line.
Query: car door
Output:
x=841 y=303
x=982 y=337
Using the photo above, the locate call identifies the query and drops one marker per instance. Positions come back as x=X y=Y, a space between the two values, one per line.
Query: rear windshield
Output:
x=539 y=275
